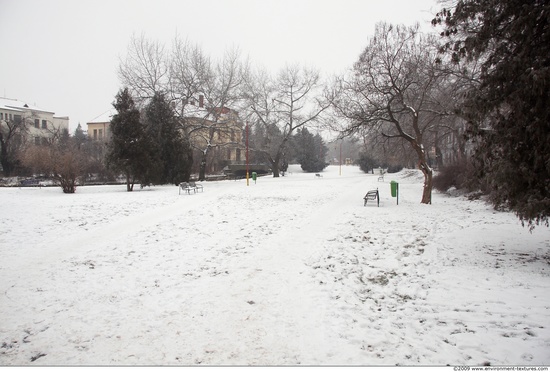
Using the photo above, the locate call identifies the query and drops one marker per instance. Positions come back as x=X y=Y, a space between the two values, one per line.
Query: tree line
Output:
x=481 y=79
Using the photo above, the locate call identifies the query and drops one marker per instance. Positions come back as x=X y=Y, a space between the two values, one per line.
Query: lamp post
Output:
x=247 y=181
x=341 y=156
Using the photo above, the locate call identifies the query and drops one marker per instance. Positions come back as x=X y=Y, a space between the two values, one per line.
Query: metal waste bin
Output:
x=254 y=176
x=394 y=185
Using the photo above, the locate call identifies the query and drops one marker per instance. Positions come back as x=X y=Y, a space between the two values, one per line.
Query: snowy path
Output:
x=287 y=271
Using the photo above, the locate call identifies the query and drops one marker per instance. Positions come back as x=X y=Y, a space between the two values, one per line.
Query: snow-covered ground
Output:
x=287 y=271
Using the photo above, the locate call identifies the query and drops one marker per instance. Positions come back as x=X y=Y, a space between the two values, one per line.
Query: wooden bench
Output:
x=372 y=195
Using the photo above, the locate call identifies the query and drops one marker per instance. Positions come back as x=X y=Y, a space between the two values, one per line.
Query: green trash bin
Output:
x=254 y=176
x=394 y=186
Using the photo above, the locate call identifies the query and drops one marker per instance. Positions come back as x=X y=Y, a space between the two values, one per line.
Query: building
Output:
x=41 y=125
x=99 y=127
x=218 y=129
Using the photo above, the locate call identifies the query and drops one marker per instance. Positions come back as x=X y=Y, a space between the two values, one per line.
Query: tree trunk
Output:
x=129 y=183
x=280 y=154
x=275 y=167
x=428 y=175
x=427 y=171
x=202 y=166
x=275 y=164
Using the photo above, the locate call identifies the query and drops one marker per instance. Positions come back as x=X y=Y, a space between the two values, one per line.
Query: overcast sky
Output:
x=63 y=55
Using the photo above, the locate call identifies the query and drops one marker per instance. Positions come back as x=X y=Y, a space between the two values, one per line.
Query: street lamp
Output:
x=247 y=181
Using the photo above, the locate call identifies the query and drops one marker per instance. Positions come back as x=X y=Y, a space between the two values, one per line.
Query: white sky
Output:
x=63 y=55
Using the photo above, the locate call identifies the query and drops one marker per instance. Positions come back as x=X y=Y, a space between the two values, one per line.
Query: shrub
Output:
x=395 y=168
x=366 y=163
x=456 y=175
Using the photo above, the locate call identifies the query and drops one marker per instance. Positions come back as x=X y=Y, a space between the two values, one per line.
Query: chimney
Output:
x=201 y=100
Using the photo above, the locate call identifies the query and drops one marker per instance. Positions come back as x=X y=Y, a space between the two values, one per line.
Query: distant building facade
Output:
x=99 y=129
x=220 y=128
x=42 y=125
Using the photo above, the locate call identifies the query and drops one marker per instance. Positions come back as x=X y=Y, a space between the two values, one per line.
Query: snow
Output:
x=105 y=117
x=287 y=271
x=16 y=105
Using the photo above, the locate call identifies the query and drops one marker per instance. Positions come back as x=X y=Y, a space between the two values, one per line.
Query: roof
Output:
x=16 y=105
x=104 y=117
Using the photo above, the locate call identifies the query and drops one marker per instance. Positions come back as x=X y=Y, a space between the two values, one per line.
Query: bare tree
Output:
x=204 y=93
x=13 y=138
x=283 y=104
x=214 y=123
x=61 y=160
x=144 y=70
x=189 y=70
x=451 y=96
x=393 y=91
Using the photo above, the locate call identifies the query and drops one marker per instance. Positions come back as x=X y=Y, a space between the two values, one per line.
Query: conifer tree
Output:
x=508 y=110
x=310 y=151
x=79 y=135
x=130 y=151
x=173 y=150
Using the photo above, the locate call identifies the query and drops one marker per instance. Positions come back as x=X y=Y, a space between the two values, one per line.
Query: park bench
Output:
x=381 y=177
x=185 y=186
x=190 y=186
x=31 y=182
x=317 y=175
x=196 y=186
x=372 y=195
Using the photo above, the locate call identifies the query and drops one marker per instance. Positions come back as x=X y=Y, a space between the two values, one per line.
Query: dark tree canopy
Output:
x=309 y=150
x=366 y=162
x=173 y=151
x=130 y=150
x=12 y=138
x=509 y=110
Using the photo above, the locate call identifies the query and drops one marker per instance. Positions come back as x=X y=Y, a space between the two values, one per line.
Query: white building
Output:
x=41 y=124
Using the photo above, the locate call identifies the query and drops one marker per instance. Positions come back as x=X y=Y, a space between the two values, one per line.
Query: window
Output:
x=238 y=155
x=37 y=141
x=95 y=134
x=100 y=134
x=10 y=116
x=44 y=124
x=1 y=115
x=36 y=123
x=44 y=141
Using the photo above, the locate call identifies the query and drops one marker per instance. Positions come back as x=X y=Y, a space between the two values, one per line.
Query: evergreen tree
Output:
x=130 y=150
x=310 y=151
x=508 y=110
x=366 y=162
x=173 y=150
x=79 y=135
